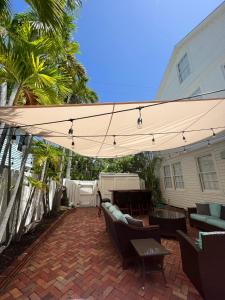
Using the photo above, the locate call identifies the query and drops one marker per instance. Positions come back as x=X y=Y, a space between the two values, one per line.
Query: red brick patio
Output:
x=78 y=261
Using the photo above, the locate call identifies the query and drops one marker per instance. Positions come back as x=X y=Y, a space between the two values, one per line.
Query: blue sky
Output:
x=126 y=44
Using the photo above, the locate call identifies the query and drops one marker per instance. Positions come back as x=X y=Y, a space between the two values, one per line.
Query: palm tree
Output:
x=36 y=52
x=50 y=13
x=47 y=160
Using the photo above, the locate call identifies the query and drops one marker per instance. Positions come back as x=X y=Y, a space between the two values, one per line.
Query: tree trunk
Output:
x=3 y=95
x=44 y=196
x=7 y=214
x=9 y=186
x=20 y=231
x=14 y=94
x=35 y=208
x=61 y=166
x=17 y=207
x=3 y=133
x=69 y=164
x=12 y=99
x=5 y=151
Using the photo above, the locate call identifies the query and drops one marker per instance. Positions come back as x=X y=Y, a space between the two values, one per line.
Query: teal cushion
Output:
x=127 y=216
x=133 y=221
x=119 y=216
x=112 y=208
x=216 y=222
x=198 y=217
x=215 y=209
x=107 y=204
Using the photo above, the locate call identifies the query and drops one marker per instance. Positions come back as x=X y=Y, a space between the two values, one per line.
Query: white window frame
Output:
x=167 y=177
x=201 y=179
x=180 y=71
x=179 y=175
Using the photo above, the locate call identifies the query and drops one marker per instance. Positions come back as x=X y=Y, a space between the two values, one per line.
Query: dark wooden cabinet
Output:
x=134 y=202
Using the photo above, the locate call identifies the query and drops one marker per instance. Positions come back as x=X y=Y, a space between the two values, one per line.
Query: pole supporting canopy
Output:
x=113 y=129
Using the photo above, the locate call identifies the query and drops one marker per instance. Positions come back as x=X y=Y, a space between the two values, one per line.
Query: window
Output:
x=207 y=173
x=167 y=177
x=178 y=176
x=183 y=68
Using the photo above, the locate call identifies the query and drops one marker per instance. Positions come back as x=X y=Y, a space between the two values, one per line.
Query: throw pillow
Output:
x=133 y=221
x=222 y=213
x=215 y=209
x=112 y=208
x=107 y=204
x=203 y=208
x=119 y=216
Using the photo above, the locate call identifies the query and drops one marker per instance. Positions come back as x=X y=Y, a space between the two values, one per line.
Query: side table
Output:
x=150 y=249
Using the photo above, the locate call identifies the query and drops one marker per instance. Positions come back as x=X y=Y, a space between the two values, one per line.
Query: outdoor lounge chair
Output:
x=205 y=267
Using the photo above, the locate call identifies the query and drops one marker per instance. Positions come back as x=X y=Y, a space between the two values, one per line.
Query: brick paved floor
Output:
x=78 y=261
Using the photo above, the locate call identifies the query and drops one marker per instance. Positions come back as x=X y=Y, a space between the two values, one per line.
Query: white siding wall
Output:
x=192 y=191
x=205 y=48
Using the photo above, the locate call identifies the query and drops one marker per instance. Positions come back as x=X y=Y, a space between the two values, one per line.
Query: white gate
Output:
x=81 y=193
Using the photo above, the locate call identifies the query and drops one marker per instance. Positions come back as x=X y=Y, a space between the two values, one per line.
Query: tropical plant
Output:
x=50 y=13
x=38 y=66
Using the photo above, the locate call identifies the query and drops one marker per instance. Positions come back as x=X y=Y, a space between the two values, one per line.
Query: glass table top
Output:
x=166 y=214
x=149 y=247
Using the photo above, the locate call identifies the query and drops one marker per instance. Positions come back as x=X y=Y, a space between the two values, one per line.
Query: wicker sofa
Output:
x=121 y=234
x=209 y=221
x=205 y=267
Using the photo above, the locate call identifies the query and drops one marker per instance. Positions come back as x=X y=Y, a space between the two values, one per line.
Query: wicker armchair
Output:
x=205 y=268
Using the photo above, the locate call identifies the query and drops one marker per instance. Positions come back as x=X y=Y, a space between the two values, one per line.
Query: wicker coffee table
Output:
x=151 y=255
x=168 y=221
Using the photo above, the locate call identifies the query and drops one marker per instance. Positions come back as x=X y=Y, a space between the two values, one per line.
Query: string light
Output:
x=73 y=143
x=153 y=139
x=213 y=132
x=70 y=132
x=139 y=120
x=13 y=138
x=114 y=140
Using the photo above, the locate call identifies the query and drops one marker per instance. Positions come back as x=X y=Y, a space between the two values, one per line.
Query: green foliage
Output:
x=42 y=64
x=50 y=13
x=44 y=152
x=37 y=183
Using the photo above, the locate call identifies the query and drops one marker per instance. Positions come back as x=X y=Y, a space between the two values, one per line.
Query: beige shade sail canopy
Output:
x=165 y=125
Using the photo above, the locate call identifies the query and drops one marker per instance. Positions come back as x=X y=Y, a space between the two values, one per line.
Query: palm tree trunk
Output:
x=14 y=94
x=36 y=207
x=8 y=187
x=69 y=164
x=3 y=95
x=3 y=133
x=11 y=101
x=7 y=214
x=20 y=231
x=6 y=150
x=61 y=166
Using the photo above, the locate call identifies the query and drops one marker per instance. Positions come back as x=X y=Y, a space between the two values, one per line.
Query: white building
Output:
x=197 y=66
